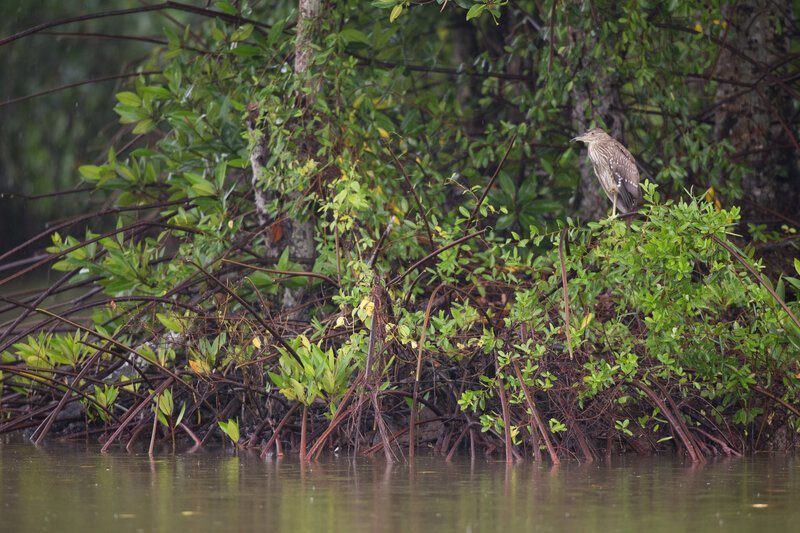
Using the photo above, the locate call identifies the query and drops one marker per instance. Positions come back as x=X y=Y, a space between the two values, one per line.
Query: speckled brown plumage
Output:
x=615 y=168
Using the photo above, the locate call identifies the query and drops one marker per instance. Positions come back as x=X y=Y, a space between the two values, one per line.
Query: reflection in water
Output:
x=71 y=489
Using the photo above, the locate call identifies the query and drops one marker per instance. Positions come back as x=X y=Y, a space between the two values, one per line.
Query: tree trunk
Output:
x=300 y=230
x=756 y=121
x=307 y=25
x=595 y=105
x=295 y=231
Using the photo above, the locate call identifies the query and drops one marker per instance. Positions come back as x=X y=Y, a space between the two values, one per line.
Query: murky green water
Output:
x=71 y=489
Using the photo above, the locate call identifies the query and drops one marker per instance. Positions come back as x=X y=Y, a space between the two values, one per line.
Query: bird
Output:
x=615 y=168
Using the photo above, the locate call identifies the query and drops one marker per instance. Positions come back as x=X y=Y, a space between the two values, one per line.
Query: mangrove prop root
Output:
x=674 y=419
x=133 y=412
x=275 y=434
x=537 y=418
x=413 y=415
x=501 y=391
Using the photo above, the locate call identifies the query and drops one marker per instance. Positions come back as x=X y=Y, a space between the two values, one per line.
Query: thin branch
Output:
x=413 y=192
x=177 y=6
x=566 y=293
x=433 y=254
x=287 y=273
x=740 y=258
x=441 y=70
x=78 y=84
x=491 y=182
x=250 y=309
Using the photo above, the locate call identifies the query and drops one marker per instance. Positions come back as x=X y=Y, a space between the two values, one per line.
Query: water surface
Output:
x=58 y=488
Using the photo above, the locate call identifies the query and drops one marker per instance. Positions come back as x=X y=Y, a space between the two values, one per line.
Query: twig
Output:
x=316 y=448
x=758 y=277
x=143 y=9
x=77 y=84
x=566 y=293
x=781 y=401
x=413 y=415
x=287 y=273
x=433 y=254
x=376 y=250
x=250 y=309
x=155 y=426
x=491 y=183
x=412 y=191
x=441 y=70
x=195 y=438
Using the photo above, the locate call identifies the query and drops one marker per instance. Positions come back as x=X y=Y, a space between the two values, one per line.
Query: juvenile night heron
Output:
x=615 y=168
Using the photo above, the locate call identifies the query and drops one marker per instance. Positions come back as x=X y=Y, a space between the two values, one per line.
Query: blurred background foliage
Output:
x=46 y=138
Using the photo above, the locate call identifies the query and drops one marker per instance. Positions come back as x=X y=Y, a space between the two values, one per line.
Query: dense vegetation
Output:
x=356 y=226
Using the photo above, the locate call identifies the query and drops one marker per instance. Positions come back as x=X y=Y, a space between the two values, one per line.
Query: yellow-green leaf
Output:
x=129 y=98
x=396 y=12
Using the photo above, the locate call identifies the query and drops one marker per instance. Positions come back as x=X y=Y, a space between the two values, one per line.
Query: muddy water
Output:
x=66 y=489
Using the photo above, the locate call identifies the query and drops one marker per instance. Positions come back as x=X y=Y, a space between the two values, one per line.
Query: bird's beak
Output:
x=575 y=139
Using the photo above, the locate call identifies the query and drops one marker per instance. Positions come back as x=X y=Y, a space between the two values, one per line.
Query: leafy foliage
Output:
x=659 y=301
x=423 y=278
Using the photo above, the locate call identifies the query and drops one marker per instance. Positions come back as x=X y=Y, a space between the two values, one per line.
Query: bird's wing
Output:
x=626 y=176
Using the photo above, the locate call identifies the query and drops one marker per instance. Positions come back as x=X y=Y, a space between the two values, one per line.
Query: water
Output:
x=73 y=489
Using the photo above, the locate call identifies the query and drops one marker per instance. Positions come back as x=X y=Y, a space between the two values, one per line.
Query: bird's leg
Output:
x=614 y=208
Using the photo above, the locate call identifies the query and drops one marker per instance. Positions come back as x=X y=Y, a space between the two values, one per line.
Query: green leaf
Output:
x=92 y=173
x=352 y=35
x=231 y=429
x=475 y=10
x=220 y=172
x=157 y=92
x=225 y=7
x=396 y=12
x=165 y=404
x=528 y=190
x=204 y=188
x=540 y=207
x=130 y=114
x=144 y=126
x=128 y=98
x=283 y=260
x=275 y=33
x=180 y=415
x=507 y=185
x=247 y=50
x=242 y=33
x=217 y=34
x=170 y=323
